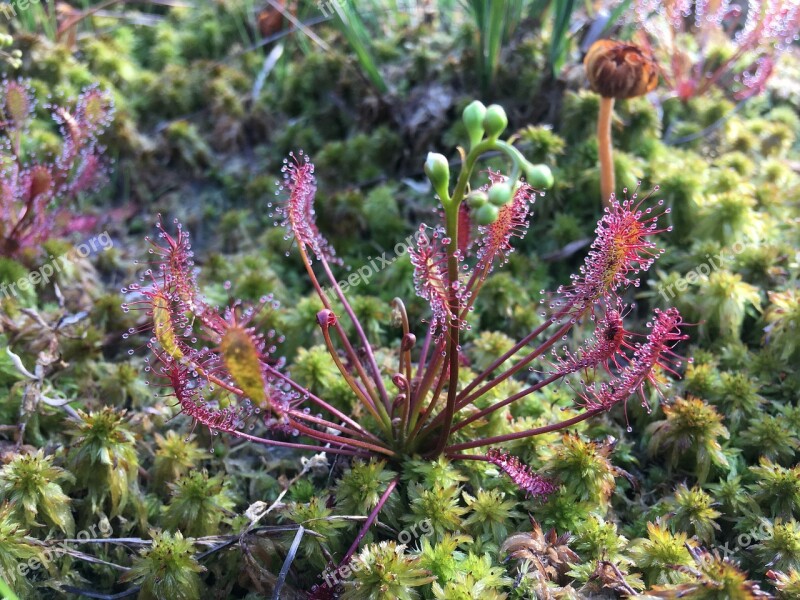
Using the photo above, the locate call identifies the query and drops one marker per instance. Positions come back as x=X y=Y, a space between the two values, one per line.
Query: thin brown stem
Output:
x=479 y=457
x=298 y=414
x=406 y=343
x=333 y=439
x=529 y=358
x=373 y=364
x=423 y=356
x=511 y=352
x=605 y=150
x=299 y=446
x=368 y=523
x=348 y=347
x=422 y=389
x=351 y=354
x=499 y=439
x=365 y=398
x=454 y=329
x=429 y=409
x=321 y=403
x=498 y=405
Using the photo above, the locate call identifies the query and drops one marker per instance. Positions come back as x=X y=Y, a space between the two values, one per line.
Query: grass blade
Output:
x=352 y=26
x=6 y=592
x=559 y=40
x=494 y=41
x=616 y=14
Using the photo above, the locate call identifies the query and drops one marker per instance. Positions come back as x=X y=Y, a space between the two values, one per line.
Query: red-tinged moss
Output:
x=521 y=474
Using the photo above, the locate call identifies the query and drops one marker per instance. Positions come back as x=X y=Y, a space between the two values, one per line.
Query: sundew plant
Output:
x=703 y=44
x=36 y=191
x=420 y=300
x=228 y=376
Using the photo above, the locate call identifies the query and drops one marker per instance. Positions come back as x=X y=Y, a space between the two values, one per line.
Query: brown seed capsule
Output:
x=619 y=70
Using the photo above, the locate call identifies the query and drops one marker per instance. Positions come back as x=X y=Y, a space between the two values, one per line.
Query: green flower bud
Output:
x=500 y=194
x=539 y=176
x=438 y=171
x=477 y=199
x=495 y=121
x=473 y=119
x=487 y=214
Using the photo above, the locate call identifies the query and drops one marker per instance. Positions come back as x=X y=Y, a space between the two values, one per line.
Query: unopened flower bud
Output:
x=495 y=121
x=620 y=70
x=477 y=199
x=539 y=176
x=473 y=120
x=500 y=194
x=486 y=214
x=438 y=171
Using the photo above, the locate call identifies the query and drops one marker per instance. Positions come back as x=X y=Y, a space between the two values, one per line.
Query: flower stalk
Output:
x=605 y=149
x=615 y=70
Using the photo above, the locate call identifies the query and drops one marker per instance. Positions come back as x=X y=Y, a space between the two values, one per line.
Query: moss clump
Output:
x=30 y=484
x=385 y=569
x=167 y=569
x=17 y=550
x=691 y=433
x=104 y=461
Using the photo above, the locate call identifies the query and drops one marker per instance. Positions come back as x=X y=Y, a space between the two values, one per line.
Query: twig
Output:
x=90 y=594
x=92 y=559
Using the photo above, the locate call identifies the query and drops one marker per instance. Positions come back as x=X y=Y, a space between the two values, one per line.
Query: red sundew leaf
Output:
x=89 y=175
x=40 y=182
x=431 y=281
x=241 y=354
x=297 y=212
x=621 y=250
x=94 y=110
x=18 y=103
x=35 y=199
x=606 y=346
x=175 y=262
x=755 y=78
x=758 y=31
x=494 y=241
x=187 y=391
x=649 y=357
x=218 y=384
